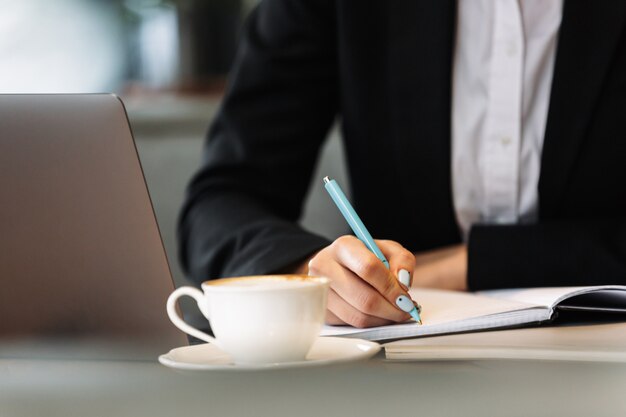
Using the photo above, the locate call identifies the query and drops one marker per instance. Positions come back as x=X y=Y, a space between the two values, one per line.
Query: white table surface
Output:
x=32 y=386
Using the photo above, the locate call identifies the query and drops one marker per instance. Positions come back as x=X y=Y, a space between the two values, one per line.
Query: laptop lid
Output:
x=80 y=250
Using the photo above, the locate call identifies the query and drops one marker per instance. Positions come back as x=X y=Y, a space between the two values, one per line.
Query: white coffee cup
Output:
x=259 y=319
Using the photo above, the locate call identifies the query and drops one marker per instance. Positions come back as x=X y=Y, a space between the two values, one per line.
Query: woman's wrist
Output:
x=444 y=268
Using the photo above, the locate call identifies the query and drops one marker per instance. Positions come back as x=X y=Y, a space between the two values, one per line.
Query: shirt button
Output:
x=505 y=140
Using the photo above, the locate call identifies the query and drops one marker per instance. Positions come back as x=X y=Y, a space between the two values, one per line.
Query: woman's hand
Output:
x=444 y=268
x=363 y=292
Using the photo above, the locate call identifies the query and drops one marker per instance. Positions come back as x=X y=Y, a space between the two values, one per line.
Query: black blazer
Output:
x=385 y=68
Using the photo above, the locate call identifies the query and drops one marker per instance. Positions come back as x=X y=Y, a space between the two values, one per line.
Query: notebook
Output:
x=445 y=312
x=602 y=342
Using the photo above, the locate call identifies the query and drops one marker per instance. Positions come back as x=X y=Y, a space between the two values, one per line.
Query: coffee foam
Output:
x=270 y=282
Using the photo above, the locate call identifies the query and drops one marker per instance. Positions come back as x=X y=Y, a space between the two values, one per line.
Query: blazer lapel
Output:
x=587 y=40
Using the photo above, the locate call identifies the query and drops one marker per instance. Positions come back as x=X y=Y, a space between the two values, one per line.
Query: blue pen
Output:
x=361 y=232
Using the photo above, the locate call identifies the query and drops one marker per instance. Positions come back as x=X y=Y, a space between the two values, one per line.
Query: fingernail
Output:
x=404 y=277
x=405 y=303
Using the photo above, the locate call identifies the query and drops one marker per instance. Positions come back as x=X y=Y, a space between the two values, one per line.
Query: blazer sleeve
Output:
x=241 y=208
x=550 y=253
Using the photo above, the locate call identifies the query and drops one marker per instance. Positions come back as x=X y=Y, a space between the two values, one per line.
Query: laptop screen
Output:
x=80 y=250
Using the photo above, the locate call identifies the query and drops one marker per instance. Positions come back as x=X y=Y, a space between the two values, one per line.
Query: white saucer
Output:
x=326 y=350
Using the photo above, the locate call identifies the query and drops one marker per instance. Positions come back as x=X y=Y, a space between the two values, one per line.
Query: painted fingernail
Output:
x=405 y=303
x=404 y=277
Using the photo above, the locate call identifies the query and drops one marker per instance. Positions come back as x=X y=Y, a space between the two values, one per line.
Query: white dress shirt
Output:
x=503 y=64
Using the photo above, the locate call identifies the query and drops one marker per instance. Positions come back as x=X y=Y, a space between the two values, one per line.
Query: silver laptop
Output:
x=80 y=250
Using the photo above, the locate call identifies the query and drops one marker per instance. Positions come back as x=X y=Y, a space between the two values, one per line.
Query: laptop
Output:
x=80 y=250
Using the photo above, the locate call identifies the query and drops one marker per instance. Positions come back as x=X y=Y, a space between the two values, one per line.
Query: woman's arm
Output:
x=241 y=208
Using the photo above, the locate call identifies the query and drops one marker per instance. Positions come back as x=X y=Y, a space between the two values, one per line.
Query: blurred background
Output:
x=168 y=60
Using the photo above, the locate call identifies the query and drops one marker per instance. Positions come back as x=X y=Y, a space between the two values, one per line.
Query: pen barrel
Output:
x=353 y=219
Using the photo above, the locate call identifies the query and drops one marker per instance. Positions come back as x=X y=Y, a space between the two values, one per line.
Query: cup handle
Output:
x=180 y=323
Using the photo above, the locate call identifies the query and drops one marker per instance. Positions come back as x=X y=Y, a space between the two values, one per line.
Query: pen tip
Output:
x=326 y=180
x=416 y=316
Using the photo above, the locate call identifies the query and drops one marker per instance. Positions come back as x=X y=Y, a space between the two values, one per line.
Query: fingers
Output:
x=363 y=291
x=332 y=319
x=341 y=312
x=352 y=253
x=401 y=261
x=361 y=296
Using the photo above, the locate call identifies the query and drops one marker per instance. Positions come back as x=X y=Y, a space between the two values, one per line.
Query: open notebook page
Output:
x=451 y=311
